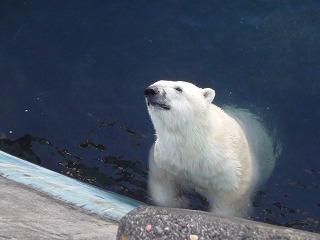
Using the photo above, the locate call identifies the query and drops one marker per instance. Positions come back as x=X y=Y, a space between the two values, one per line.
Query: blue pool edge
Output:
x=90 y=198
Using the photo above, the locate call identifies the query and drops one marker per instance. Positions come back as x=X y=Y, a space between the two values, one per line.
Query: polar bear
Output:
x=222 y=154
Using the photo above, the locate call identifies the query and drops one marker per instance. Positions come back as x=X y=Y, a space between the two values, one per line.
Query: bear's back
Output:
x=260 y=142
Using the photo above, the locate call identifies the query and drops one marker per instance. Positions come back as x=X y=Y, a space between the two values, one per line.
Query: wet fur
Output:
x=223 y=155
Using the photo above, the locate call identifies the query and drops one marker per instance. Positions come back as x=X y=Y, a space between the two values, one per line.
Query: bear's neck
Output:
x=189 y=135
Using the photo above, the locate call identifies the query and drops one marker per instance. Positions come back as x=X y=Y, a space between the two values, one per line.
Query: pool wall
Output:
x=88 y=197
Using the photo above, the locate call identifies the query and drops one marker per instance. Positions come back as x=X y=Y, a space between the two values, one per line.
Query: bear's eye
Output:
x=179 y=89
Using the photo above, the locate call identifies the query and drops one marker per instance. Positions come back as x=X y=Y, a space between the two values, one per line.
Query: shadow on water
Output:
x=114 y=173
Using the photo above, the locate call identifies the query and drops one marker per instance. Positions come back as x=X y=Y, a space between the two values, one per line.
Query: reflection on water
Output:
x=114 y=173
x=21 y=148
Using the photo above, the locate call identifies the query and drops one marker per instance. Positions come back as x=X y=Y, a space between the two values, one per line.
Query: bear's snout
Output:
x=151 y=91
x=155 y=98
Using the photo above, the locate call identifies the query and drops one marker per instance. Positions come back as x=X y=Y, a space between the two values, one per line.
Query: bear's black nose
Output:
x=151 y=91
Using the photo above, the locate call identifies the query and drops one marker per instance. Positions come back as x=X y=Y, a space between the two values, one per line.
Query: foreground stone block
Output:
x=149 y=222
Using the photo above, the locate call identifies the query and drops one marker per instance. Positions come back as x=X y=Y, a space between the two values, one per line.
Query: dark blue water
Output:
x=72 y=77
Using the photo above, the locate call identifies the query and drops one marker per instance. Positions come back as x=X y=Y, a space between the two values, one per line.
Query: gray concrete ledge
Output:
x=37 y=203
x=28 y=214
x=148 y=222
x=95 y=200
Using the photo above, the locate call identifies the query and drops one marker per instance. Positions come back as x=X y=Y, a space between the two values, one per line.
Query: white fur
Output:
x=221 y=154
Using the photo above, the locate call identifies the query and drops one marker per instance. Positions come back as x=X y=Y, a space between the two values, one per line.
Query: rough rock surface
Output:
x=28 y=214
x=163 y=223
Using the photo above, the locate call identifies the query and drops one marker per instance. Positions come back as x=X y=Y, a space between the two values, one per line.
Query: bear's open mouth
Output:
x=159 y=105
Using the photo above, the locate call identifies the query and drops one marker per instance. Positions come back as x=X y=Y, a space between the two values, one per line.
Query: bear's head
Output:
x=175 y=103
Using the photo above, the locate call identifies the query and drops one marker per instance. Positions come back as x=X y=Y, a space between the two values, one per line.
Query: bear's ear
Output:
x=208 y=94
